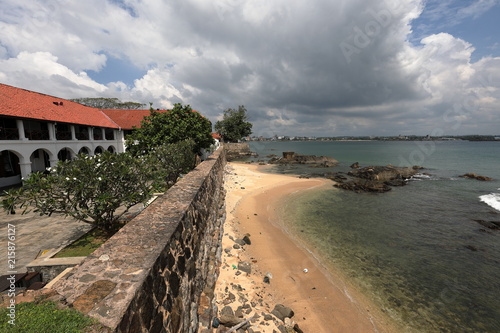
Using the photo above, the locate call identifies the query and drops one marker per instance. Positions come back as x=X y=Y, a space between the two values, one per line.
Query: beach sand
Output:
x=322 y=300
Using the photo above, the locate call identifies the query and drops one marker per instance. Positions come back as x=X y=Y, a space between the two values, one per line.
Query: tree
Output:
x=176 y=125
x=100 y=189
x=234 y=125
x=108 y=103
x=89 y=189
x=167 y=162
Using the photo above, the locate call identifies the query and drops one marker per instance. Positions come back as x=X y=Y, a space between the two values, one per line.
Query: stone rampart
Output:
x=237 y=150
x=157 y=274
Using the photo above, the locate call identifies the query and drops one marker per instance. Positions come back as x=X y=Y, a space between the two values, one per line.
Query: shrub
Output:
x=100 y=189
x=90 y=189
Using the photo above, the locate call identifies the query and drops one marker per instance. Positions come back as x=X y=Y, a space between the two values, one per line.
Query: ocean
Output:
x=416 y=251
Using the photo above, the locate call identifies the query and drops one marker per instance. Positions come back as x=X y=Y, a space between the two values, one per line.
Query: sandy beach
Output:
x=321 y=299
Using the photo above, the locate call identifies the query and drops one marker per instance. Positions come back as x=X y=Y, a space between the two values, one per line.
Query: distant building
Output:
x=38 y=130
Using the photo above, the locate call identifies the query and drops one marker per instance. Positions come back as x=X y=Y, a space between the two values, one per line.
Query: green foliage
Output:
x=44 y=317
x=179 y=124
x=108 y=103
x=89 y=189
x=167 y=162
x=101 y=189
x=234 y=125
x=85 y=245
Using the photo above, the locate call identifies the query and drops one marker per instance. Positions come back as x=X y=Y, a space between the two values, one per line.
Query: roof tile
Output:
x=21 y=103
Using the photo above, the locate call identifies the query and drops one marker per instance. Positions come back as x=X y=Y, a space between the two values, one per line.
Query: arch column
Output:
x=120 y=141
x=20 y=129
x=52 y=131
x=53 y=161
x=25 y=169
x=73 y=135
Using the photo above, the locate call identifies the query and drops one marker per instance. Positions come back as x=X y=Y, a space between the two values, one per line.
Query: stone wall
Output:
x=237 y=150
x=157 y=274
x=51 y=267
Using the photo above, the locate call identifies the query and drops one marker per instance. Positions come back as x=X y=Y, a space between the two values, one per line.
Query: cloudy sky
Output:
x=315 y=67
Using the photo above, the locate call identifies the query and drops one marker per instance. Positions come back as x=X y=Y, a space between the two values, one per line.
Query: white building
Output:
x=37 y=130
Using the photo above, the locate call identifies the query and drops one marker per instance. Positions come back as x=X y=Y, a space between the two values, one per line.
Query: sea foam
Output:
x=492 y=200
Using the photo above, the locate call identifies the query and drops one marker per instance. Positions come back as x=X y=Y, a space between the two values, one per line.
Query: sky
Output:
x=301 y=68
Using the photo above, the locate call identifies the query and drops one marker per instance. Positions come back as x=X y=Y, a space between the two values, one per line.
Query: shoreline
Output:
x=323 y=301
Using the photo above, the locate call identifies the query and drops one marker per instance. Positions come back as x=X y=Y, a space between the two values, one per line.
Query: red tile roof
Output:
x=21 y=103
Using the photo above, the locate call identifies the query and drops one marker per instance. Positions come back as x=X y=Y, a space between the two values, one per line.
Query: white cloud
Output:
x=320 y=67
x=476 y=9
x=41 y=71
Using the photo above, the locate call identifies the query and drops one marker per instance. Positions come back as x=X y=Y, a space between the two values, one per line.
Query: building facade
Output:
x=38 y=130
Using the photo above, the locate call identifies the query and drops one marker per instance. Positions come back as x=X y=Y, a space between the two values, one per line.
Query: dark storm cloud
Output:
x=318 y=67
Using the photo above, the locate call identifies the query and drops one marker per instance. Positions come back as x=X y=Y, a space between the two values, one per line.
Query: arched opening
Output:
x=84 y=150
x=64 y=154
x=10 y=171
x=98 y=150
x=39 y=160
x=111 y=149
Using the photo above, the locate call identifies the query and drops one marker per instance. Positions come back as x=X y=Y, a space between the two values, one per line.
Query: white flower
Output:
x=67 y=178
x=74 y=178
x=99 y=178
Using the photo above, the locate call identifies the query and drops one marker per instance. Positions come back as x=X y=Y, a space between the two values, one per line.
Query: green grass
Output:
x=44 y=317
x=85 y=245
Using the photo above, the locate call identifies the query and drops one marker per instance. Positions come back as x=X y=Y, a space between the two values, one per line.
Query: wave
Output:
x=422 y=176
x=492 y=200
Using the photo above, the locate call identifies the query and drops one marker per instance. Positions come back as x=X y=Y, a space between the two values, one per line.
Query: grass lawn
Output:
x=44 y=317
x=85 y=245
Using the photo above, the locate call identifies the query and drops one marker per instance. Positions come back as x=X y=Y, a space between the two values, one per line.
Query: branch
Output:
x=243 y=323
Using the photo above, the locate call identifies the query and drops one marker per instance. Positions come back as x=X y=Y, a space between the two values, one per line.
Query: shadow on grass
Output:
x=88 y=243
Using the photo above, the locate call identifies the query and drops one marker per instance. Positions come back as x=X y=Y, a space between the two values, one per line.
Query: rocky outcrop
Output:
x=311 y=160
x=476 y=176
x=364 y=186
x=493 y=225
x=374 y=178
x=383 y=173
x=355 y=165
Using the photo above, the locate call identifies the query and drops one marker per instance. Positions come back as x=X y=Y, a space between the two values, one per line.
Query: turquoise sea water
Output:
x=416 y=250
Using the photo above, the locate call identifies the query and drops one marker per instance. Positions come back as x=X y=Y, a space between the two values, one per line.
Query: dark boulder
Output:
x=376 y=179
x=493 y=225
x=246 y=239
x=290 y=157
x=383 y=173
x=297 y=329
x=476 y=176
x=229 y=320
x=364 y=186
x=282 y=312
